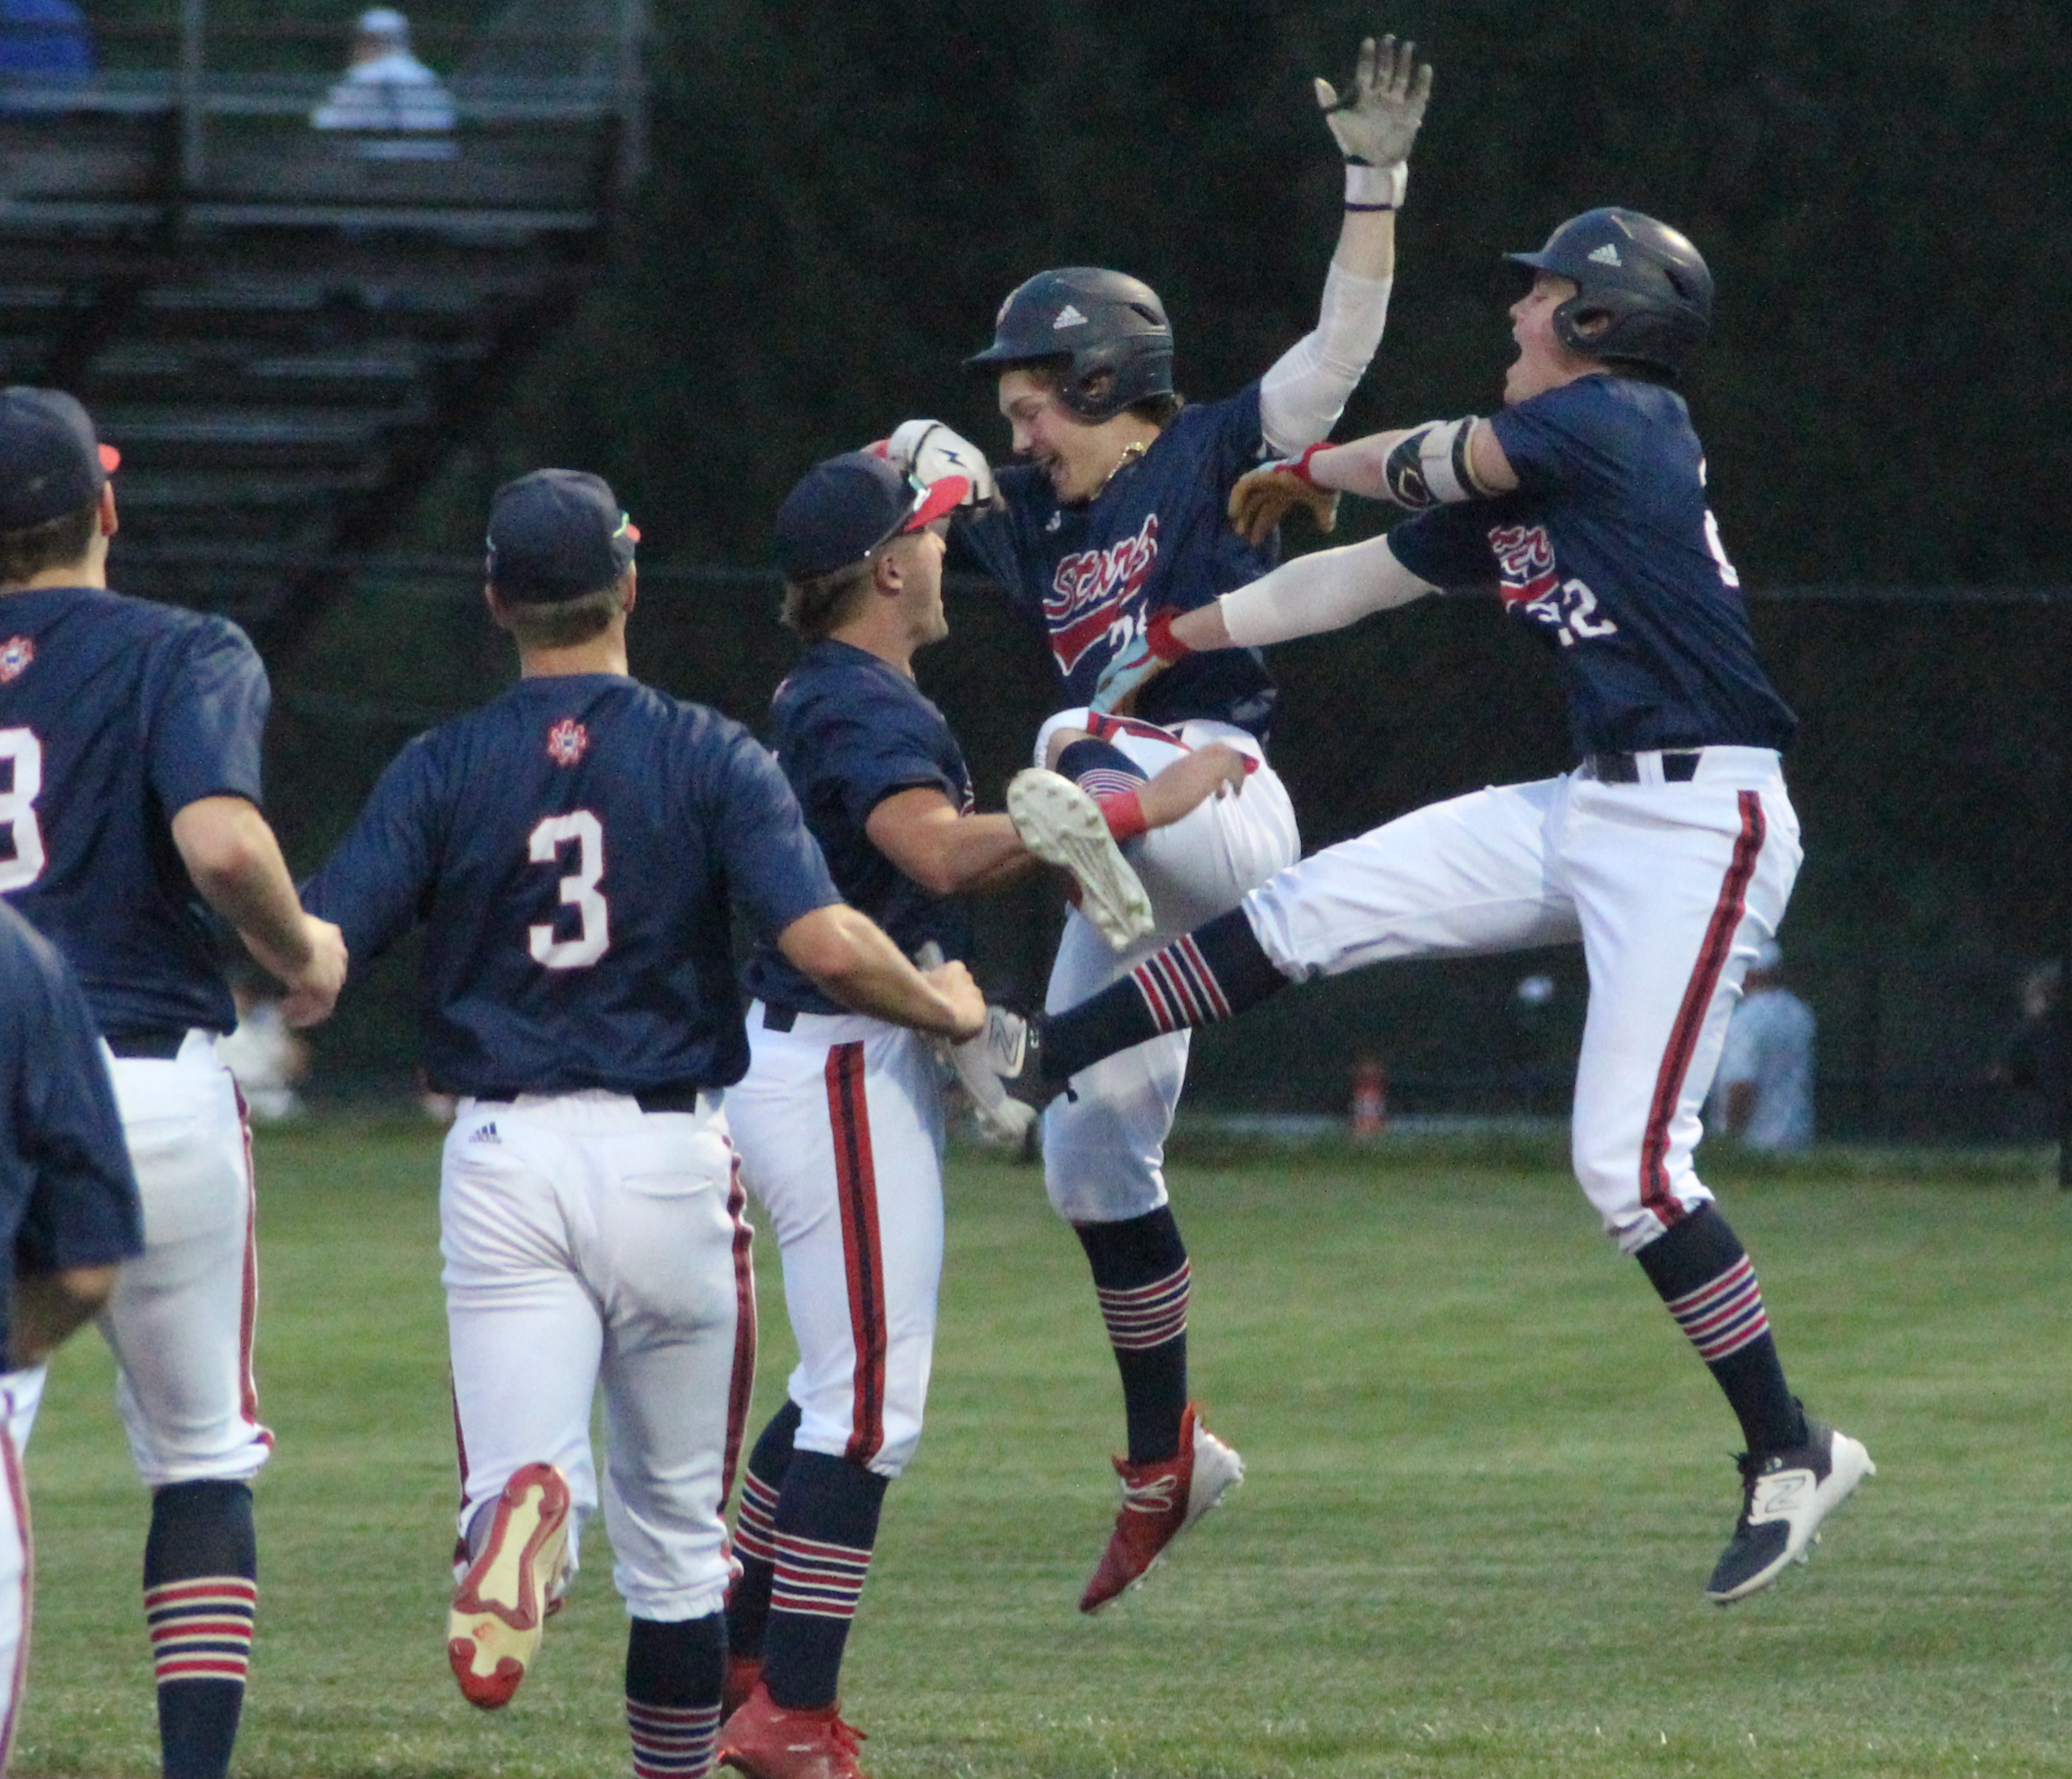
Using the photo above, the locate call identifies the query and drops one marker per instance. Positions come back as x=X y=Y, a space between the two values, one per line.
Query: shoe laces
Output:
x=1152 y=1495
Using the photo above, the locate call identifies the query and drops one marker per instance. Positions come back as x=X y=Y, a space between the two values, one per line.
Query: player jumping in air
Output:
x=131 y=734
x=1114 y=519
x=574 y=850
x=839 y=1120
x=1669 y=851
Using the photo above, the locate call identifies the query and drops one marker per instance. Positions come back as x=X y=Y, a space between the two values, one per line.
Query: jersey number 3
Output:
x=579 y=891
x=25 y=755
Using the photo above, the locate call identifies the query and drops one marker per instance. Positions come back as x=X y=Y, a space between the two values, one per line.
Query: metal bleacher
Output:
x=286 y=331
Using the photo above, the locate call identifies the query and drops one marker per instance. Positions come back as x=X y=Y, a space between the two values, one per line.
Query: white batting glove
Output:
x=1375 y=119
x=926 y=450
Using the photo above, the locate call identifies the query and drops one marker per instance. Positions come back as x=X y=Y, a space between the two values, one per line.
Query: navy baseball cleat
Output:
x=1785 y=1496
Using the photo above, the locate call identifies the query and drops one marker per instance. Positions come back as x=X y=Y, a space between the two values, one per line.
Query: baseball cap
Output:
x=1768 y=955
x=842 y=510
x=557 y=534
x=384 y=21
x=50 y=462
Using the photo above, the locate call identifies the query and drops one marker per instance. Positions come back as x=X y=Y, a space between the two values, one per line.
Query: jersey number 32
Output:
x=578 y=890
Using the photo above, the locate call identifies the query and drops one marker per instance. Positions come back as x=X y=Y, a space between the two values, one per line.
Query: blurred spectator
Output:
x=1764 y=1091
x=1536 y=1043
x=396 y=105
x=267 y=1058
x=44 y=43
x=2035 y=1056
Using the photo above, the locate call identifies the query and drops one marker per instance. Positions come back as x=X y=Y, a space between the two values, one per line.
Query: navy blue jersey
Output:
x=574 y=850
x=1157 y=538
x=851 y=731
x=114 y=715
x=1607 y=550
x=67 y=1195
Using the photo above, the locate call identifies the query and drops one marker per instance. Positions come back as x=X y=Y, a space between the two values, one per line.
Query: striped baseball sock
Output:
x=755 y=1532
x=826 y=1523
x=1141 y=1277
x=201 y=1591
x=1705 y=1278
x=1112 y=779
x=673 y=1674
x=1217 y=971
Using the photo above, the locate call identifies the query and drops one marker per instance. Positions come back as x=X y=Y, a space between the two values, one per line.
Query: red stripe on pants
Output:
x=1690 y=1017
x=248 y=1315
x=743 y=1382
x=855 y=1190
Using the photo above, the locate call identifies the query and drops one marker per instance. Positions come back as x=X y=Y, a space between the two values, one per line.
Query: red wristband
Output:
x=1124 y=813
x=1159 y=637
x=1299 y=468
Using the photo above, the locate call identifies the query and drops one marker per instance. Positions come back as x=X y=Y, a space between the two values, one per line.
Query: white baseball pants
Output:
x=840 y=1125
x=20 y=1392
x=181 y=1319
x=589 y=1243
x=1104 y=1152
x=1670 y=887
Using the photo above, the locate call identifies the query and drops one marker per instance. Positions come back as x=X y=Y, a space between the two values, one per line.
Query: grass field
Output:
x=1487 y=1481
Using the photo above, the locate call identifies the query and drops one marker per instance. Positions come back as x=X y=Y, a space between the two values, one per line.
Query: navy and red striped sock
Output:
x=1705 y=1278
x=1142 y=1278
x=673 y=1672
x=201 y=1593
x=755 y=1532
x=1217 y=971
x=826 y=1523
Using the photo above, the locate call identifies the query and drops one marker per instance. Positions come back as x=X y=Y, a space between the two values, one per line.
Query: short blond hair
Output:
x=820 y=605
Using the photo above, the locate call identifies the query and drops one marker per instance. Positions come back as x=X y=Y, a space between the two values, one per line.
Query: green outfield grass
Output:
x=1486 y=1481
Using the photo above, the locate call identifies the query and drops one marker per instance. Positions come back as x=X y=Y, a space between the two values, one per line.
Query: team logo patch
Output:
x=16 y=653
x=1524 y=559
x=1091 y=589
x=566 y=741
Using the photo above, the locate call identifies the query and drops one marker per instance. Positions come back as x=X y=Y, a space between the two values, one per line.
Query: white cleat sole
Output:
x=1063 y=826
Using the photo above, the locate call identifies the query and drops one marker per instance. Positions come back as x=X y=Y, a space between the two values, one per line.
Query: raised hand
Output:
x=1375 y=119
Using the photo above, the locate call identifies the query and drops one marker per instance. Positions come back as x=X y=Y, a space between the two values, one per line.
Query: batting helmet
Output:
x=1109 y=327
x=1646 y=282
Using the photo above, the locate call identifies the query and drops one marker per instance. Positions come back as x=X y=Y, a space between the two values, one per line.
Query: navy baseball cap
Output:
x=556 y=535
x=50 y=462
x=842 y=510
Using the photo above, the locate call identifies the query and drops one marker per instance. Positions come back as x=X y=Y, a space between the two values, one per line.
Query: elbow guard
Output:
x=1430 y=466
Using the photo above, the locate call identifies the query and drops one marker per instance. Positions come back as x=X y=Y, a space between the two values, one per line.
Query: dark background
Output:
x=839 y=196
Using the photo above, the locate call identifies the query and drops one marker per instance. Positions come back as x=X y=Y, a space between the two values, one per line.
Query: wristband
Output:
x=1299 y=467
x=1368 y=187
x=1124 y=813
x=1159 y=637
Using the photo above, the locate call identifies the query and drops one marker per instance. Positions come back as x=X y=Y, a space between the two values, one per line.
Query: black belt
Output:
x=160 y=1046
x=778 y=1019
x=1679 y=766
x=681 y=1096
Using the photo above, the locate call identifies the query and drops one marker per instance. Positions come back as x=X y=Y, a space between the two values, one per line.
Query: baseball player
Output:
x=839 y=1120
x=70 y=1215
x=1114 y=518
x=1668 y=852
x=131 y=734
x=574 y=850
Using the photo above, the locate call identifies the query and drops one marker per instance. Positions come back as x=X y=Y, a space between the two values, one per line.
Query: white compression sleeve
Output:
x=1302 y=397
x=1325 y=591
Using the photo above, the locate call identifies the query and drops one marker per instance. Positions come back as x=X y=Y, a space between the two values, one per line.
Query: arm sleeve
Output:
x=375 y=883
x=774 y=868
x=1325 y=590
x=83 y=1209
x=1302 y=397
x=206 y=731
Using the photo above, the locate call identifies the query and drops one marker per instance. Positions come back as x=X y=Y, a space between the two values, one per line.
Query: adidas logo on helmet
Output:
x=1068 y=316
x=1607 y=255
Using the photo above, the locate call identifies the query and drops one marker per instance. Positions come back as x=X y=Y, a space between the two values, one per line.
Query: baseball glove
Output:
x=1264 y=496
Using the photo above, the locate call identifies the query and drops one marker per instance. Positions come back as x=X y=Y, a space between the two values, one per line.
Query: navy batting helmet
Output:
x=1645 y=283
x=1109 y=327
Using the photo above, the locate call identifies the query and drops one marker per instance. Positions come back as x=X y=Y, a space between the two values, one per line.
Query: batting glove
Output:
x=1375 y=119
x=1265 y=495
x=926 y=450
x=1150 y=652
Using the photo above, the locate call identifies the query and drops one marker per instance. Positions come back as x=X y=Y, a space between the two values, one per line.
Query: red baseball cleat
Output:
x=1159 y=1502
x=744 y=1674
x=766 y=1741
x=501 y=1603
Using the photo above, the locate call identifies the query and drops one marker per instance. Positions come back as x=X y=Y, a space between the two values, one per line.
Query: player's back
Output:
x=115 y=714
x=572 y=849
